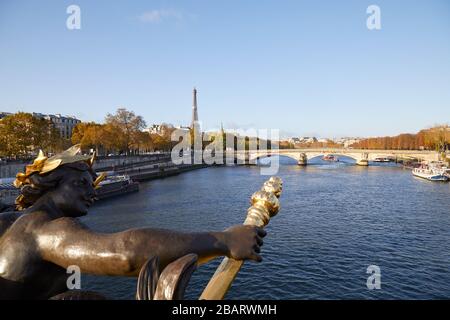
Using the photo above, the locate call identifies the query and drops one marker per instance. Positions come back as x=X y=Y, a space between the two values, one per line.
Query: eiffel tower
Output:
x=194 y=122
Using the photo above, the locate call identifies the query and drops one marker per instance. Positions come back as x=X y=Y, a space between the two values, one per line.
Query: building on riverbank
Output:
x=4 y=114
x=64 y=124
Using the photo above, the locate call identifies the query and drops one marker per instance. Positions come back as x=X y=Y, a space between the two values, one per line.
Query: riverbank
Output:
x=144 y=174
x=10 y=169
x=127 y=180
x=138 y=168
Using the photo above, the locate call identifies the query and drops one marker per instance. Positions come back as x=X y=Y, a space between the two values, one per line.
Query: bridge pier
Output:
x=364 y=161
x=249 y=161
x=303 y=160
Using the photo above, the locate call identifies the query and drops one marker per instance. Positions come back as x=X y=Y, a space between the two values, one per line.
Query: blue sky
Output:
x=304 y=67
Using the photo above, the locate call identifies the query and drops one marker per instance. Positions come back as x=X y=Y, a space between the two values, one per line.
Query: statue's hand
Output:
x=244 y=242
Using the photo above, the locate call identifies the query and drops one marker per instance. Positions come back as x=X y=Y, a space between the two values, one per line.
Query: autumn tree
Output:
x=438 y=137
x=113 y=140
x=128 y=124
x=104 y=138
x=22 y=134
x=435 y=138
x=88 y=135
x=142 y=141
x=160 y=143
x=79 y=134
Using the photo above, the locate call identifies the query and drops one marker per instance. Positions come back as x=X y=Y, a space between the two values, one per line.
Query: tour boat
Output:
x=433 y=171
x=115 y=185
x=382 y=159
x=8 y=193
x=330 y=157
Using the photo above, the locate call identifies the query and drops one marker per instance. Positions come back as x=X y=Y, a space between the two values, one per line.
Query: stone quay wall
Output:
x=10 y=169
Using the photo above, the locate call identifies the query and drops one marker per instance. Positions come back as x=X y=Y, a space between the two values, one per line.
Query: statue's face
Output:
x=75 y=193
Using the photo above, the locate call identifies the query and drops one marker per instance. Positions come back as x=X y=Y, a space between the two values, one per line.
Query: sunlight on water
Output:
x=336 y=219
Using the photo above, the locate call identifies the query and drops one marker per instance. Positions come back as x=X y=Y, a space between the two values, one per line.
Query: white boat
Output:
x=433 y=171
x=330 y=157
x=115 y=185
x=382 y=159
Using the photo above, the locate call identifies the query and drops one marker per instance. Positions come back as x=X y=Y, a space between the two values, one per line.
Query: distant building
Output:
x=64 y=125
x=4 y=114
x=302 y=140
x=155 y=129
x=308 y=139
x=347 y=141
x=180 y=127
x=159 y=129
x=294 y=140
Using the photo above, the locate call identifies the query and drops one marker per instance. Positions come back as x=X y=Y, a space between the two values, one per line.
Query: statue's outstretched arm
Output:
x=67 y=242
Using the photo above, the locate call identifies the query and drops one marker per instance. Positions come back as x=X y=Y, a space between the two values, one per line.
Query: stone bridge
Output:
x=361 y=156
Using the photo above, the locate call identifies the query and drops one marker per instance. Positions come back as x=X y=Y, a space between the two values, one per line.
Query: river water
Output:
x=336 y=219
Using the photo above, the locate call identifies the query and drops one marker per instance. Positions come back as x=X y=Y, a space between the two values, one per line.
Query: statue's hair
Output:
x=41 y=184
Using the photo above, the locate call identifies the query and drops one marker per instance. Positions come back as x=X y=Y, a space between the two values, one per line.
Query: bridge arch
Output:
x=253 y=158
x=361 y=156
x=317 y=155
x=257 y=157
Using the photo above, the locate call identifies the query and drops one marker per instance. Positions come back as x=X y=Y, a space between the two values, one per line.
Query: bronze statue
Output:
x=41 y=240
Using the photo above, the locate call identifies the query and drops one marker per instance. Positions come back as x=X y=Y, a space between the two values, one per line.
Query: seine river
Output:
x=336 y=219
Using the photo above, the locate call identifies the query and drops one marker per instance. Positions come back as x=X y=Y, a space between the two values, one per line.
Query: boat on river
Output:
x=382 y=159
x=115 y=185
x=330 y=157
x=433 y=171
